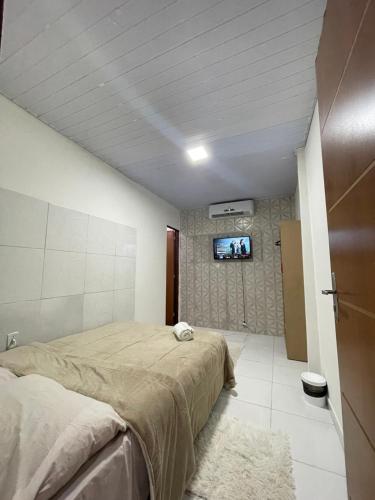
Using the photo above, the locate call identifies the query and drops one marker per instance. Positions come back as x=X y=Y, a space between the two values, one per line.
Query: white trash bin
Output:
x=315 y=389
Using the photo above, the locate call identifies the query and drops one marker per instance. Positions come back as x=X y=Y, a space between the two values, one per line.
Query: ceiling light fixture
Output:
x=198 y=153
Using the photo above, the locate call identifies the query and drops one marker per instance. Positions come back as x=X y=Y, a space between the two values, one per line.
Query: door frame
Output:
x=1 y=20
x=176 y=281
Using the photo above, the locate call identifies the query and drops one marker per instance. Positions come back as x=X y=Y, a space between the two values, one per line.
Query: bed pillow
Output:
x=6 y=375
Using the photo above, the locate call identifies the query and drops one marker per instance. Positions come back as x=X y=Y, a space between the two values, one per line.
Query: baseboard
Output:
x=336 y=423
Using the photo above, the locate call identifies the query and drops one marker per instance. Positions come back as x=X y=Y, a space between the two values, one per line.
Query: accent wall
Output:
x=222 y=294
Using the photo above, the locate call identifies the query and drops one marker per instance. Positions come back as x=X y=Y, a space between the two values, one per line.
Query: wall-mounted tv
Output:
x=233 y=248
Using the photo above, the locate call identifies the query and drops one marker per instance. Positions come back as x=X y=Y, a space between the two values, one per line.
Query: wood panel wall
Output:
x=293 y=290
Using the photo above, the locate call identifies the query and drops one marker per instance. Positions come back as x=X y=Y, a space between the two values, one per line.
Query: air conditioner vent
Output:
x=227 y=214
x=244 y=208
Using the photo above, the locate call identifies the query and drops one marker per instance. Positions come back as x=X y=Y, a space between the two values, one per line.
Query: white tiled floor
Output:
x=269 y=395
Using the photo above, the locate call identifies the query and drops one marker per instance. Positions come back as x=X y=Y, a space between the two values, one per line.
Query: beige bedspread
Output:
x=162 y=388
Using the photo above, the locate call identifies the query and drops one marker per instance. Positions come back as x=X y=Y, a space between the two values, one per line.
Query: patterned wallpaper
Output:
x=211 y=292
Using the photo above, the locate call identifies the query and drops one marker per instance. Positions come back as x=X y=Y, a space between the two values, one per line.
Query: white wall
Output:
x=322 y=348
x=297 y=209
x=308 y=267
x=37 y=161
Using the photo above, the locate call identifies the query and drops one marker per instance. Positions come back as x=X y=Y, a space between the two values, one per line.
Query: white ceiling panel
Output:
x=295 y=83
x=216 y=120
x=89 y=15
x=31 y=20
x=137 y=81
x=262 y=75
x=209 y=64
x=267 y=71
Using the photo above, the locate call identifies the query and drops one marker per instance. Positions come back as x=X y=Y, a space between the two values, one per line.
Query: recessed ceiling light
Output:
x=197 y=154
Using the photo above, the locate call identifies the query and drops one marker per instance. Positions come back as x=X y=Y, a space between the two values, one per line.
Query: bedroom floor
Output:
x=269 y=395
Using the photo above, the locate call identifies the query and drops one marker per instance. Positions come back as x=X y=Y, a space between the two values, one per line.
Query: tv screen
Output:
x=233 y=248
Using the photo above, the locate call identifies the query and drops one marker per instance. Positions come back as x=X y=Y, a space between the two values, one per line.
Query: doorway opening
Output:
x=171 y=309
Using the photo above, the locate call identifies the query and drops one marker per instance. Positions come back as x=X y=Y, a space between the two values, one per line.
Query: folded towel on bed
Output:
x=183 y=331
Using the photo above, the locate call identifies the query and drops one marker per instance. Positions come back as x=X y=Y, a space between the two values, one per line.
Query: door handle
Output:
x=334 y=293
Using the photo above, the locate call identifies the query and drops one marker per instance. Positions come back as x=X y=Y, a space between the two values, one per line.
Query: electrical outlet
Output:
x=12 y=340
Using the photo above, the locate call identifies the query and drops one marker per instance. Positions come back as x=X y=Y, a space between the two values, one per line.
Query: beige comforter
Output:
x=162 y=388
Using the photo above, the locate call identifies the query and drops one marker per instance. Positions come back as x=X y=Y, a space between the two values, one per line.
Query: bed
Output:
x=162 y=389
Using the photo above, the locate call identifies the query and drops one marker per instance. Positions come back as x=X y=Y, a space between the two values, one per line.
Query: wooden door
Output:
x=171 y=314
x=346 y=94
x=293 y=290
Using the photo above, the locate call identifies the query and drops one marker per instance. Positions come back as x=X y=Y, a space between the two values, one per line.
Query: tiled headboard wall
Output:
x=61 y=271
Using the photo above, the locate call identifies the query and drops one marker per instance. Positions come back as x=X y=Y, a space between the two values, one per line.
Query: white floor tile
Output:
x=223 y=332
x=312 y=442
x=291 y=400
x=260 y=340
x=279 y=345
x=259 y=416
x=252 y=391
x=281 y=360
x=235 y=337
x=257 y=353
x=253 y=369
x=314 y=484
x=269 y=395
x=280 y=353
x=288 y=375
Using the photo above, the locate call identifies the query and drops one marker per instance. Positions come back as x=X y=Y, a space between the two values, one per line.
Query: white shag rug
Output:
x=238 y=462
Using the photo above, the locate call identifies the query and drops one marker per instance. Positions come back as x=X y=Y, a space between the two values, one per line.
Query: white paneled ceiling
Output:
x=136 y=82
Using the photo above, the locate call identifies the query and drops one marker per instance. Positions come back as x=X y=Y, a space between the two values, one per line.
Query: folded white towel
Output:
x=183 y=331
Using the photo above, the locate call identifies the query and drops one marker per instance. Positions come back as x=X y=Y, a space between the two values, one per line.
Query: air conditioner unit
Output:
x=244 y=208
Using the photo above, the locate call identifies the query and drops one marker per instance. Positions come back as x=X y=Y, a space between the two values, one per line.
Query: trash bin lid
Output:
x=313 y=379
